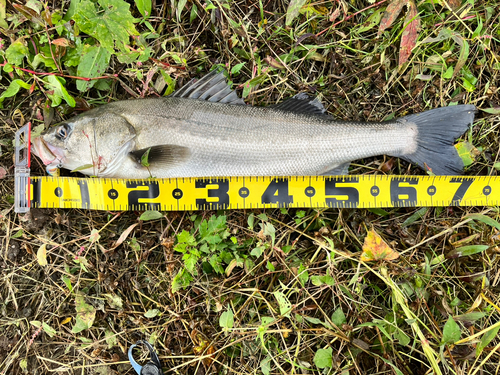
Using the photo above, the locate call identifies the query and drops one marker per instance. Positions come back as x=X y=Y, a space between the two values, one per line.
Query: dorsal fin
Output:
x=211 y=87
x=304 y=104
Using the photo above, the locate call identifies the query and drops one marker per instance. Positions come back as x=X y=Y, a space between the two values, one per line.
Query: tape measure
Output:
x=178 y=194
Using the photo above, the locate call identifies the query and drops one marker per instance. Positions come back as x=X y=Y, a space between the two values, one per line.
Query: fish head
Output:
x=91 y=144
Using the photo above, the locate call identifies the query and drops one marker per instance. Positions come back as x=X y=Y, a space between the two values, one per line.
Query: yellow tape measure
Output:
x=363 y=191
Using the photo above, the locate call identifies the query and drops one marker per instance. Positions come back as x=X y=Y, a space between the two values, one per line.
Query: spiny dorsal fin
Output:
x=304 y=104
x=212 y=87
x=164 y=156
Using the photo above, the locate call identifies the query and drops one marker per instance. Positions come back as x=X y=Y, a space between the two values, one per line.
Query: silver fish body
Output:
x=194 y=137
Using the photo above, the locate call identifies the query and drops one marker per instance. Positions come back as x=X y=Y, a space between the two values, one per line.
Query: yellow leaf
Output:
x=375 y=248
x=67 y=320
x=41 y=255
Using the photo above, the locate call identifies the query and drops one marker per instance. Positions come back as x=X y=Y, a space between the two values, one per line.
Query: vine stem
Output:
x=60 y=74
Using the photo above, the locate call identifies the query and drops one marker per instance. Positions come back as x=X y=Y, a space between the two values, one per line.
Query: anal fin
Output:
x=341 y=170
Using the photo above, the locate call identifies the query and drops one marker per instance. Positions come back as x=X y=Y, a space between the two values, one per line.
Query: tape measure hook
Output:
x=22 y=142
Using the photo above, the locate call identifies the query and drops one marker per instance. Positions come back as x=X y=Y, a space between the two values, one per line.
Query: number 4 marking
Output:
x=462 y=189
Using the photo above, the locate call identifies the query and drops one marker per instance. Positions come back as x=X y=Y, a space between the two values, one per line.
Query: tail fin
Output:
x=437 y=131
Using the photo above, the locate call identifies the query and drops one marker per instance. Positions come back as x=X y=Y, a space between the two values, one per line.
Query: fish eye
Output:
x=62 y=132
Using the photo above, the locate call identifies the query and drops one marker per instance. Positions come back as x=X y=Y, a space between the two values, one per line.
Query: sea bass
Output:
x=205 y=129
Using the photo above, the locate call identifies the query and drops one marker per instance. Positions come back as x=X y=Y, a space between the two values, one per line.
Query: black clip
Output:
x=153 y=367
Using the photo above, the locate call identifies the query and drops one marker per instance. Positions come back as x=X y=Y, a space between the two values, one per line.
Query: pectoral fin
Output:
x=164 y=156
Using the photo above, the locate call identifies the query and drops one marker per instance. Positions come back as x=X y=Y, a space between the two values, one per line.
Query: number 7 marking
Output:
x=462 y=189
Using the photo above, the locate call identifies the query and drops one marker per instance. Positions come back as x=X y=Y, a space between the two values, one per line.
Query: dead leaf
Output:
x=66 y=320
x=410 y=33
x=3 y=172
x=204 y=347
x=274 y=63
x=334 y=15
x=61 y=42
x=391 y=13
x=375 y=248
x=454 y=4
x=41 y=255
x=231 y=266
x=124 y=236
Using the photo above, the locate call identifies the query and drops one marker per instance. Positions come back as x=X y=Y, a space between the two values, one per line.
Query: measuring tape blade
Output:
x=180 y=194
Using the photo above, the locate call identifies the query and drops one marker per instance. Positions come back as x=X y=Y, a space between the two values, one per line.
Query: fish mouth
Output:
x=49 y=154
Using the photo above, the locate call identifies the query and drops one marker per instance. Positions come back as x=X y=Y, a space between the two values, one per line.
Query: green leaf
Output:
x=111 y=338
x=144 y=7
x=66 y=280
x=194 y=13
x=48 y=330
x=150 y=215
x=16 y=52
x=449 y=73
x=226 y=320
x=417 y=215
x=303 y=275
x=257 y=252
x=236 y=69
x=111 y=23
x=47 y=61
x=486 y=339
x=485 y=219
x=114 y=301
x=466 y=152
x=284 y=304
x=181 y=281
x=324 y=358
x=249 y=85
x=13 y=89
x=151 y=313
x=466 y=251
x=190 y=261
x=451 y=332
x=265 y=365
x=94 y=236
x=316 y=280
x=85 y=314
x=24 y=362
x=57 y=85
x=338 y=317
x=269 y=230
x=491 y=111
x=401 y=337
x=93 y=63
x=470 y=317
x=293 y=10
x=371 y=21
x=3 y=23
x=180 y=7
x=18 y=234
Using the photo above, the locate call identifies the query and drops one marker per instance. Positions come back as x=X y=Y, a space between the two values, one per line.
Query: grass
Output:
x=254 y=291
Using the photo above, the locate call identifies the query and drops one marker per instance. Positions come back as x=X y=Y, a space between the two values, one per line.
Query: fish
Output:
x=205 y=130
